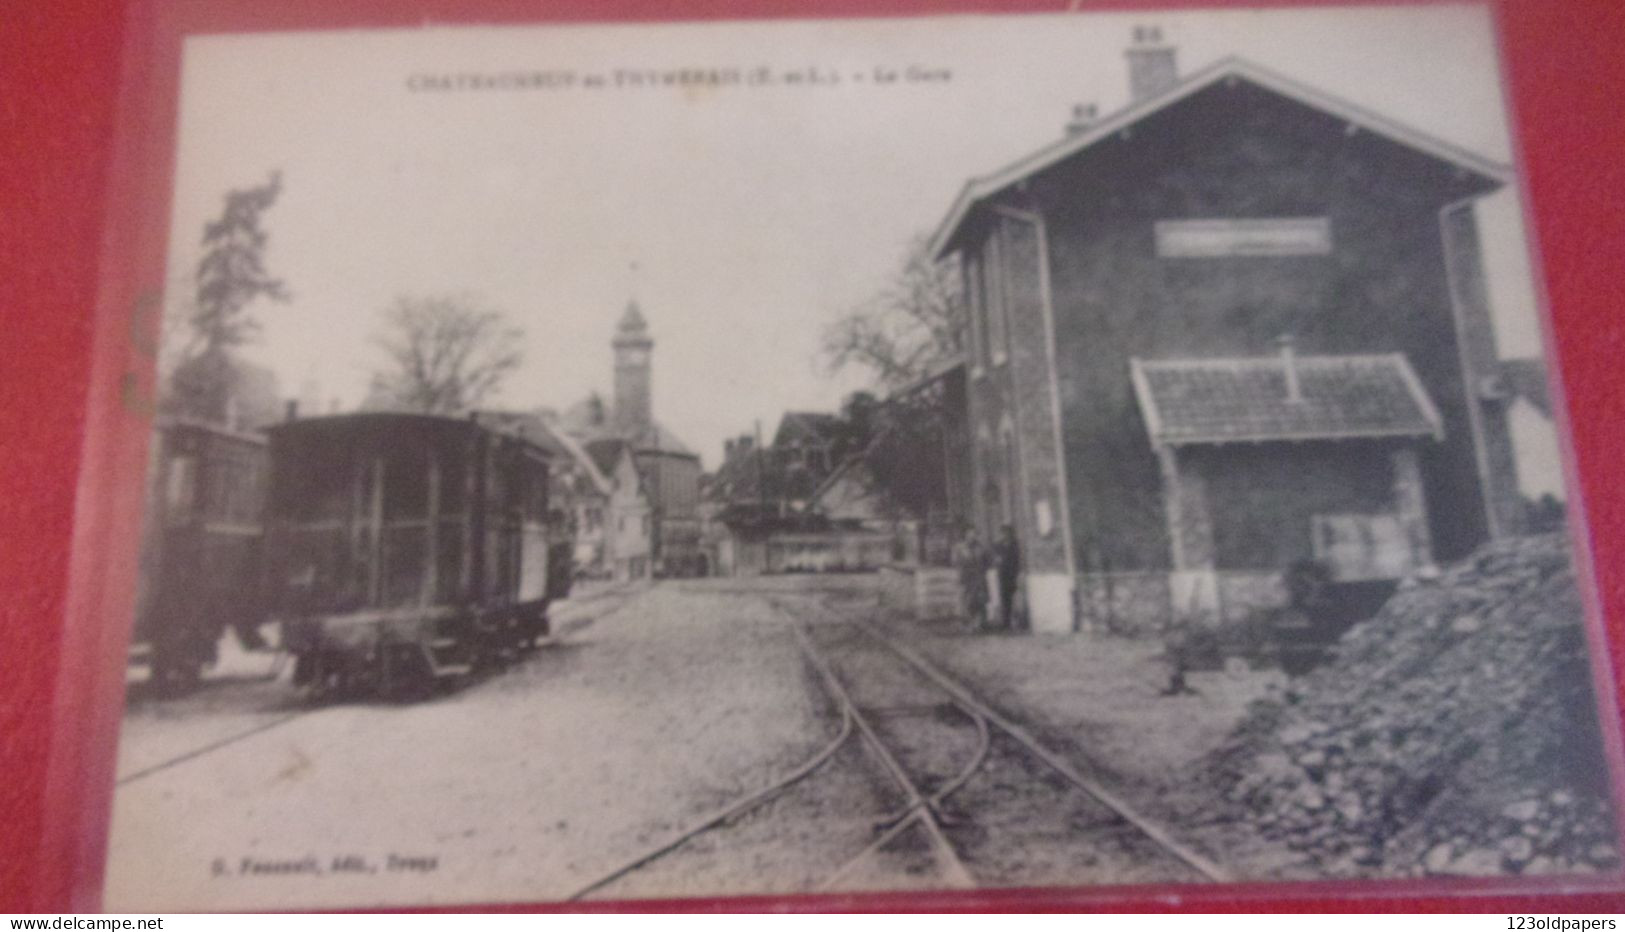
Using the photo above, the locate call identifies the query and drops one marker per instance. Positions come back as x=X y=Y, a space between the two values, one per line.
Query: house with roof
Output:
x=768 y=505
x=780 y=476
x=757 y=520
x=625 y=524
x=590 y=485
x=752 y=527
x=1237 y=325
x=806 y=448
x=911 y=471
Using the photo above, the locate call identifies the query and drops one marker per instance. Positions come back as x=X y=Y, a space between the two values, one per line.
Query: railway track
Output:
x=1108 y=828
x=211 y=747
x=574 y=618
x=971 y=798
x=919 y=784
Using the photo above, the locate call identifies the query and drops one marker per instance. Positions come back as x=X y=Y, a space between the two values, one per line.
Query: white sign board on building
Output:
x=1271 y=236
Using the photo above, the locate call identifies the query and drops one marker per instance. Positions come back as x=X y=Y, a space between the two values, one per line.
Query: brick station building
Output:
x=1237 y=325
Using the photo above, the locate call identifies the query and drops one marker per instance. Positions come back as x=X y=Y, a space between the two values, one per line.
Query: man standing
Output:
x=1007 y=563
x=971 y=558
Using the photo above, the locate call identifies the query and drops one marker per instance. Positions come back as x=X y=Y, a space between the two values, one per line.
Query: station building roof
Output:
x=1492 y=174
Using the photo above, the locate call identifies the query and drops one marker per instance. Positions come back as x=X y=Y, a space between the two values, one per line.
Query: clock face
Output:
x=635 y=357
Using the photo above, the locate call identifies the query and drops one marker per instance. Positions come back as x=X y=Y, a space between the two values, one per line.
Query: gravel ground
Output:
x=1030 y=827
x=243 y=691
x=792 y=844
x=240 y=692
x=1098 y=698
x=520 y=788
x=1099 y=701
x=650 y=711
x=1014 y=822
x=808 y=836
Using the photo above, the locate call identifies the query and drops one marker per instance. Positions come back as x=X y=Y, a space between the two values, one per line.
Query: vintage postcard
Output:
x=605 y=462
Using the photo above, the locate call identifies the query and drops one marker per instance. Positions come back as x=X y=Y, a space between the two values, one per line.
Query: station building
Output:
x=1237 y=325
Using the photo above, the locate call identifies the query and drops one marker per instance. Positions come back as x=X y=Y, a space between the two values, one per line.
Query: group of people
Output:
x=974 y=561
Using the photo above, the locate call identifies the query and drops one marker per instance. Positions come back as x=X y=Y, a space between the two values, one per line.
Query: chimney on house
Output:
x=1152 y=68
x=1289 y=367
x=1083 y=117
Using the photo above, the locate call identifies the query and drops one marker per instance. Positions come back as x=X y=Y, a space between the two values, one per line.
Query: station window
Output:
x=993 y=299
x=181 y=488
x=978 y=313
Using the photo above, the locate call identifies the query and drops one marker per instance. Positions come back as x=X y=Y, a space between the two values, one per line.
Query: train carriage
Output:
x=201 y=548
x=403 y=548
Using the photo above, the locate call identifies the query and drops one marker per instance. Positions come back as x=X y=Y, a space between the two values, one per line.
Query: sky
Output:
x=743 y=218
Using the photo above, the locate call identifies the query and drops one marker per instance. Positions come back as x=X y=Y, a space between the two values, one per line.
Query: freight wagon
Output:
x=403 y=550
x=200 y=550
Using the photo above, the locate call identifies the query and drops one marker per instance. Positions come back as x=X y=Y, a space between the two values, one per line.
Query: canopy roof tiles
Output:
x=1252 y=400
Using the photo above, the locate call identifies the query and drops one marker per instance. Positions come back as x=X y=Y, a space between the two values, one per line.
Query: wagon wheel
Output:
x=521 y=634
x=177 y=663
x=308 y=677
x=174 y=677
x=405 y=674
x=492 y=638
x=533 y=626
x=327 y=679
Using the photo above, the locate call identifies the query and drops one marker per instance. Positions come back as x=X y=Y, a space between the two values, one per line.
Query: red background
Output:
x=83 y=198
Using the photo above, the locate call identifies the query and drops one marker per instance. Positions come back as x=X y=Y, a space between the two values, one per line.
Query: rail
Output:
x=734 y=809
x=1052 y=760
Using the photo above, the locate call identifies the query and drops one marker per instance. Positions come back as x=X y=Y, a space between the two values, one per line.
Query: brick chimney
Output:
x=1083 y=117
x=1152 y=67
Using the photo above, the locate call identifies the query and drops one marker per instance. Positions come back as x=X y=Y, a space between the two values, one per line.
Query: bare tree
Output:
x=914 y=324
x=443 y=354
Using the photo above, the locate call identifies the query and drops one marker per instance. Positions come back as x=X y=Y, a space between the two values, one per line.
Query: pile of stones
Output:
x=1454 y=733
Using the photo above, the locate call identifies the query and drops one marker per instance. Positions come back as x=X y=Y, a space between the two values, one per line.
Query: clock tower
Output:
x=633 y=414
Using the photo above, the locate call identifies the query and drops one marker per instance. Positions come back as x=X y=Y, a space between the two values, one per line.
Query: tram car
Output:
x=403 y=550
x=200 y=554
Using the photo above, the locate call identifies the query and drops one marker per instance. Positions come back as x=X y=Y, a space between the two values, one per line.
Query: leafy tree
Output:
x=232 y=272
x=859 y=413
x=914 y=324
x=442 y=355
x=230 y=276
x=906 y=453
